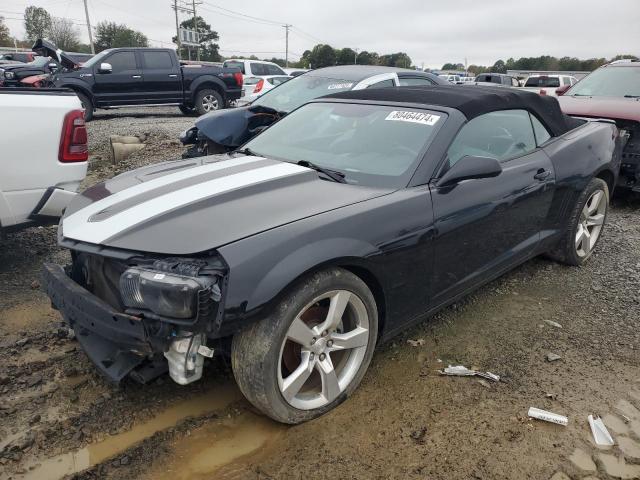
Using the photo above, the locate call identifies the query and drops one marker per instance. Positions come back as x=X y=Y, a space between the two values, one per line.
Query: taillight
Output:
x=239 y=78
x=259 y=86
x=73 y=143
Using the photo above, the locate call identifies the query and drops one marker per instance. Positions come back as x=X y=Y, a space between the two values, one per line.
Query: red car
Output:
x=612 y=91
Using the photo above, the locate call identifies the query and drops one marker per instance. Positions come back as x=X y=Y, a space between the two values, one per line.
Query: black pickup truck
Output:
x=144 y=76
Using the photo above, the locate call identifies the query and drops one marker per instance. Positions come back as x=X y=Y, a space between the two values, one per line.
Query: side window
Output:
x=542 y=134
x=502 y=135
x=413 y=81
x=382 y=84
x=122 y=61
x=157 y=60
x=259 y=69
x=566 y=81
x=274 y=70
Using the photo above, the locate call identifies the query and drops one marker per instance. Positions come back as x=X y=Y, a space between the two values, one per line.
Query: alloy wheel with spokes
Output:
x=210 y=103
x=590 y=223
x=311 y=351
x=323 y=349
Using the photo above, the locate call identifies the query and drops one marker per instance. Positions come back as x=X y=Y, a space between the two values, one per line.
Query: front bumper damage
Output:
x=122 y=344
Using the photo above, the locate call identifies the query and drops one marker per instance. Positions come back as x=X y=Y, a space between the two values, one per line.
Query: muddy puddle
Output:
x=216 y=447
x=73 y=462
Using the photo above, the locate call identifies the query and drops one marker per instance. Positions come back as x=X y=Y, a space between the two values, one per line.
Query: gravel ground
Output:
x=58 y=416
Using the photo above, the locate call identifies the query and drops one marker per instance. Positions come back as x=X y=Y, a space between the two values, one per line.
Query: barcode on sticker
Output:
x=338 y=86
x=158 y=276
x=413 y=117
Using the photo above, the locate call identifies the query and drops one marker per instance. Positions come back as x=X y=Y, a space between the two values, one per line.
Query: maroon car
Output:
x=612 y=91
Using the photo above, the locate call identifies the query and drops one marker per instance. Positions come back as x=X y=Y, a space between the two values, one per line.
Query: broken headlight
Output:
x=9 y=75
x=165 y=294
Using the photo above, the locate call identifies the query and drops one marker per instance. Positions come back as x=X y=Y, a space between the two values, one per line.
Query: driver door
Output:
x=486 y=226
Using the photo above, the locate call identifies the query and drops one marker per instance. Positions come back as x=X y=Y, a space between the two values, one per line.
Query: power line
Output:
x=243 y=14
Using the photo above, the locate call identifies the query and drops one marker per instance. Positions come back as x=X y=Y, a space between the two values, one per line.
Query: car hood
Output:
x=605 y=107
x=191 y=206
x=48 y=49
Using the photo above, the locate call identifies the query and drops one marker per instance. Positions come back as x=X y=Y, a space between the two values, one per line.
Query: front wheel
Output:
x=311 y=353
x=585 y=224
x=208 y=100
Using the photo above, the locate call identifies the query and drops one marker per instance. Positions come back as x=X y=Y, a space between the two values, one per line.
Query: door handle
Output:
x=136 y=76
x=542 y=174
x=173 y=75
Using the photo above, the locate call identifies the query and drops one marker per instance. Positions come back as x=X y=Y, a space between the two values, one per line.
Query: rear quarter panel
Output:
x=577 y=157
x=30 y=143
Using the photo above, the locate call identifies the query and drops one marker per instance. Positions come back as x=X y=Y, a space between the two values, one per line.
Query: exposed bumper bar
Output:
x=116 y=342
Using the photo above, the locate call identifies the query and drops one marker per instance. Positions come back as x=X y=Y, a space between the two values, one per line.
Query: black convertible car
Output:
x=332 y=230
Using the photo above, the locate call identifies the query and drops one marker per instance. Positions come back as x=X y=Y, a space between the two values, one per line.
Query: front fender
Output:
x=76 y=85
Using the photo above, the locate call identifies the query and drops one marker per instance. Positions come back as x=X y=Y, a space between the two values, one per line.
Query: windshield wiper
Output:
x=632 y=96
x=247 y=151
x=332 y=174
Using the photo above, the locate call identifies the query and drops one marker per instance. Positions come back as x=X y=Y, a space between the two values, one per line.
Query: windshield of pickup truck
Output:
x=299 y=90
x=549 y=82
x=370 y=145
x=609 y=82
x=96 y=59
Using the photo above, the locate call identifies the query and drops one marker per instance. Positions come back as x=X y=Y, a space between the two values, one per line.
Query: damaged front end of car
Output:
x=630 y=168
x=140 y=316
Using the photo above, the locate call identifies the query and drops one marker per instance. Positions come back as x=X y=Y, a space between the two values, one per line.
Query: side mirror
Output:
x=470 y=167
x=53 y=66
x=560 y=90
x=105 y=68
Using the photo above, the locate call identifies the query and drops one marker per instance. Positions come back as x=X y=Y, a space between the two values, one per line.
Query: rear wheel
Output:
x=208 y=100
x=87 y=105
x=312 y=352
x=585 y=224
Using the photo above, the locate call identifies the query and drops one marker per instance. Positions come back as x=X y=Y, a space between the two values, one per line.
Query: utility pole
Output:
x=175 y=7
x=86 y=12
x=286 y=54
x=195 y=27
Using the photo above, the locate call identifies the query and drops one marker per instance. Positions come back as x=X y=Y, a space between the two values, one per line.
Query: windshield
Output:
x=40 y=61
x=609 y=82
x=542 y=82
x=371 y=145
x=96 y=59
x=299 y=90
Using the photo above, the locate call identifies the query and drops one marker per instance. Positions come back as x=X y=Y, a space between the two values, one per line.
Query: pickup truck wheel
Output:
x=312 y=351
x=208 y=100
x=187 y=110
x=87 y=105
x=585 y=224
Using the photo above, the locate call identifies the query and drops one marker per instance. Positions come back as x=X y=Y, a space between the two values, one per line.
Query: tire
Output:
x=208 y=100
x=573 y=250
x=263 y=353
x=187 y=110
x=87 y=105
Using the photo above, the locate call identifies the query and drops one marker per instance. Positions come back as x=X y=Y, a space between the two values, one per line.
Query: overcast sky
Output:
x=431 y=32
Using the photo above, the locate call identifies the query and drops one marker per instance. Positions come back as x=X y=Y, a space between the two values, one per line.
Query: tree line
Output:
x=544 y=62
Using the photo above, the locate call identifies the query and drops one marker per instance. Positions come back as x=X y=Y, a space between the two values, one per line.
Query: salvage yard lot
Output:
x=405 y=421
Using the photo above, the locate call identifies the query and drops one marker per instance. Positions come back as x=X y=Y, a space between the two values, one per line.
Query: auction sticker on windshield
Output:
x=338 y=86
x=413 y=117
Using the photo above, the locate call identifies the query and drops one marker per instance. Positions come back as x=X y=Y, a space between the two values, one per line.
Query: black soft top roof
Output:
x=471 y=101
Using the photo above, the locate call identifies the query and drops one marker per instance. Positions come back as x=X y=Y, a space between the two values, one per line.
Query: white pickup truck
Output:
x=547 y=84
x=43 y=155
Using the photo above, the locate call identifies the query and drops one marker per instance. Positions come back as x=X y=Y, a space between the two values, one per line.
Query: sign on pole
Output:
x=189 y=38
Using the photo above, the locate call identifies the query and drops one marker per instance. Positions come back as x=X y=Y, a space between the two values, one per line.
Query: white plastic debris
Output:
x=548 y=416
x=553 y=357
x=416 y=343
x=552 y=323
x=462 y=371
x=600 y=433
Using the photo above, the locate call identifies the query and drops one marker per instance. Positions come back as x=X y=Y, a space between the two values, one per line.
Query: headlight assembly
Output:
x=165 y=294
x=9 y=75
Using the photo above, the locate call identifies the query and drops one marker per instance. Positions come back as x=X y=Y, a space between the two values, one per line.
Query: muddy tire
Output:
x=312 y=351
x=585 y=225
x=87 y=105
x=208 y=100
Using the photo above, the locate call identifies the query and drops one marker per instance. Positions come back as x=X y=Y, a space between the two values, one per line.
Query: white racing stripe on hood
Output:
x=78 y=227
